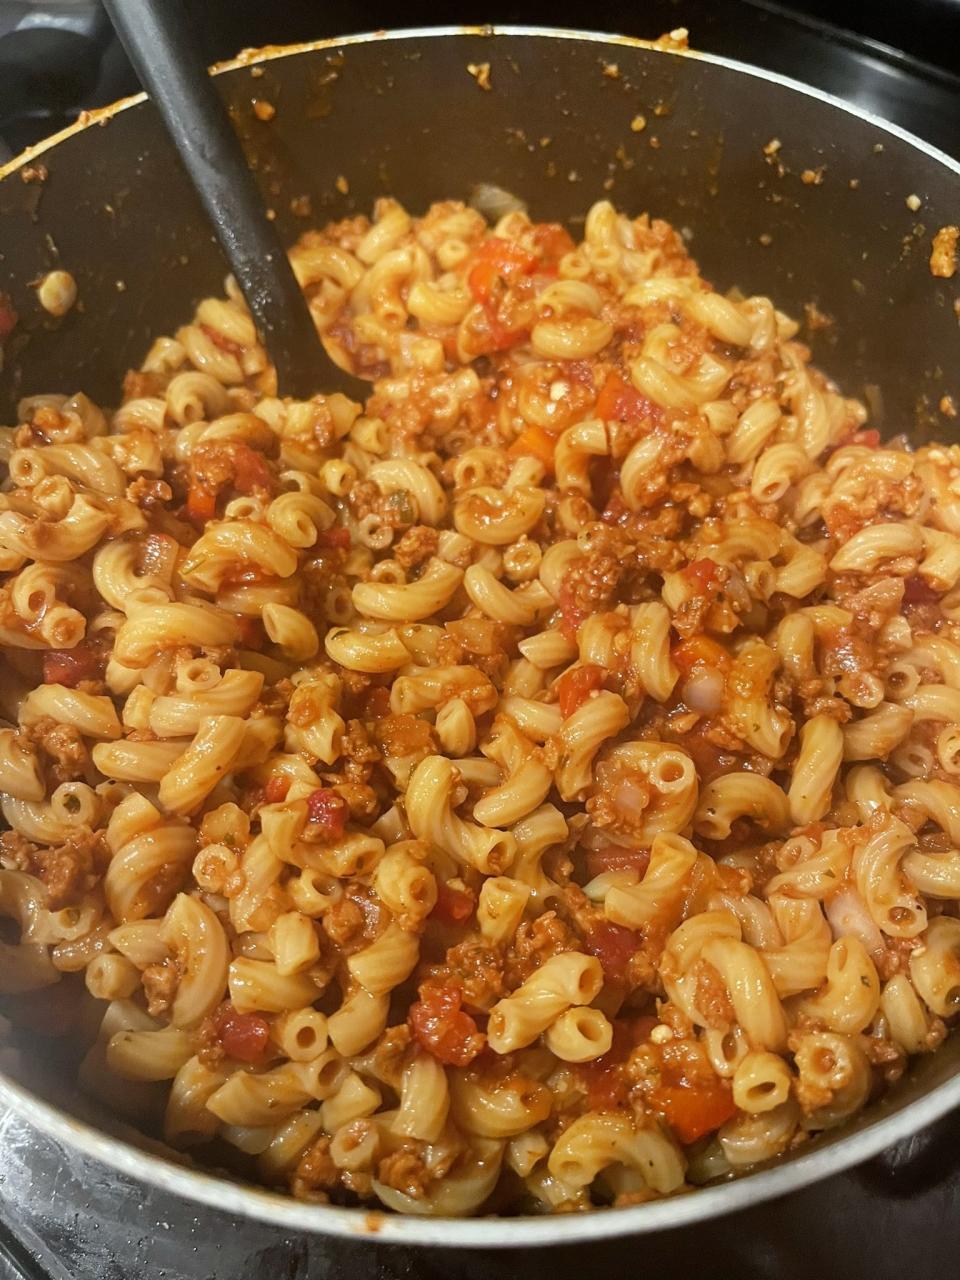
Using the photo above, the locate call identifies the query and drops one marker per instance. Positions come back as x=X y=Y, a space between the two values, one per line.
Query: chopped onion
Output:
x=494 y=203
x=631 y=798
x=703 y=691
x=849 y=918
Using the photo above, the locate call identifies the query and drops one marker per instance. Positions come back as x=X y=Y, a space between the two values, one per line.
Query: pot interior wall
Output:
x=405 y=117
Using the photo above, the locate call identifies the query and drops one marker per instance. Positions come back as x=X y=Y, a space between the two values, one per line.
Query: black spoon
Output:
x=163 y=49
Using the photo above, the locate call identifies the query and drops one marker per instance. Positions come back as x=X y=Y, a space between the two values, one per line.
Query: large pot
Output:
x=401 y=114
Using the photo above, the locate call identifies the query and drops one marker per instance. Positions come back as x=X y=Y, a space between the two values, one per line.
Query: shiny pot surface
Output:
x=821 y=219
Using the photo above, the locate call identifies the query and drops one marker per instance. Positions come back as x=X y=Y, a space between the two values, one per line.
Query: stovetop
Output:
x=64 y=1218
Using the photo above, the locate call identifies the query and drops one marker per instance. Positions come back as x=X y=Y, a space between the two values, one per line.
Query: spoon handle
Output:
x=163 y=49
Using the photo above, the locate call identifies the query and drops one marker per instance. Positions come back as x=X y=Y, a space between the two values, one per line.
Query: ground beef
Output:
x=416 y=546
x=160 y=982
x=315 y=1173
x=149 y=493
x=358 y=752
x=356 y=920
x=396 y=510
x=404 y=736
x=391 y=1054
x=535 y=941
x=712 y=998
x=479 y=969
x=138 y=384
x=68 y=870
x=63 y=744
x=406 y=1170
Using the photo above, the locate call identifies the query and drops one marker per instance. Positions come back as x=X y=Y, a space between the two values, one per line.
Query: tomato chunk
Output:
x=614 y=946
x=276 y=789
x=620 y=401
x=337 y=538
x=701 y=651
x=694 y=1108
x=440 y=1025
x=244 y=1036
x=498 y=259
x=534 y=442
x=70 y=666
x=703 y=574
x=869 y=437
x=453 y=906
x=575 y=686
x=328 y=811
x=201 y=503
x=250 y=470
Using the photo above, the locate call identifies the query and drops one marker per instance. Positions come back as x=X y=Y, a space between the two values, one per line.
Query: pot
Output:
x=781 y=190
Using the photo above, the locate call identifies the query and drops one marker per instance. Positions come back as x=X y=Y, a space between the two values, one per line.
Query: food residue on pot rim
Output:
x=943 y=252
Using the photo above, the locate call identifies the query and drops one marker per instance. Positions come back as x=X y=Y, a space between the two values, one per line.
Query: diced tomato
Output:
x=614 y=946
x=244 y=1036
x=575 y=686
x=498 y=259
x=250 y=470
x=571 y=614
x=534 y=442
x=337 y=538
x=694 y=1108
x=701 y=651
x=221 y=340
x=276 y=789
x=869 y=437
x=620 y=401
x=70 y=666
x=441 y=1026
x=614 y=858
x=8 y=318
x=703 y=574
x=329 y=811
x=453 y=906
x=201 y=503
x=553 y=241
x=917 y=591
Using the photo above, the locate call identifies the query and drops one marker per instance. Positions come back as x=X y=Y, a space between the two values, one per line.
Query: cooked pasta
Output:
x=546 y=771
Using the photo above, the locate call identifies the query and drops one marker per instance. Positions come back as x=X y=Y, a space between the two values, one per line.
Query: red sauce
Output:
x=575 y=686
x=70 y=666
x=441 y=1026
x=614 y=946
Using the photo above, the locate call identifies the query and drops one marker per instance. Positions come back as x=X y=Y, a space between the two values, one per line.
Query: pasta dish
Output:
x=533 y=789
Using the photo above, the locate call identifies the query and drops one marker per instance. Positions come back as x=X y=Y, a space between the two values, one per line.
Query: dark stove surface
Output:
x=61 y=1216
